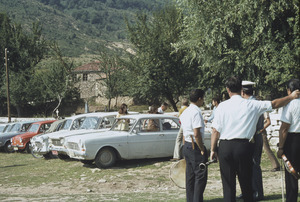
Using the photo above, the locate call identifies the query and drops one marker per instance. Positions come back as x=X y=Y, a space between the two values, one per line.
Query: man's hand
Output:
x=295 y=94
x=213 y=155
x=279 y=153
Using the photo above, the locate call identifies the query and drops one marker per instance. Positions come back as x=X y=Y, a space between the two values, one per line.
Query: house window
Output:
x=85 y=77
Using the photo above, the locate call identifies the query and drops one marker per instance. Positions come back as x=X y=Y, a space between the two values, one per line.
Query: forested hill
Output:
x=78 y=26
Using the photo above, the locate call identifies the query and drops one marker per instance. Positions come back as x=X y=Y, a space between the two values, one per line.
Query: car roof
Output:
x=45 y=121
x=147 y=116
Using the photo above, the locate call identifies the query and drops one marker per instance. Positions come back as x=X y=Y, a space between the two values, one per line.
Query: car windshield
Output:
x=2 y=128
x=16 y=127
x=90 y=123
x=123 y=124
x=33 y=128
x=67 y=124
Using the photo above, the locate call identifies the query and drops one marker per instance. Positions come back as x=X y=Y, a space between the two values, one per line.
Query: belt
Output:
x=237 y=140
x=294 y=133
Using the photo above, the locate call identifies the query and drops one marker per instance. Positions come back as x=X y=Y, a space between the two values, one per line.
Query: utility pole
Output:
x=7 y=87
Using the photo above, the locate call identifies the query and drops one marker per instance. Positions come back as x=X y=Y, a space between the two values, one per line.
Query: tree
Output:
x=157 y=70
x=257 y=40
x=113 y=74
x=26 y=49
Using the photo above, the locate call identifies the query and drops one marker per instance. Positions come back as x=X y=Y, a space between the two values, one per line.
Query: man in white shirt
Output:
x=234 y=125
x=289 y=140
x=163 y=108
x=194 y=151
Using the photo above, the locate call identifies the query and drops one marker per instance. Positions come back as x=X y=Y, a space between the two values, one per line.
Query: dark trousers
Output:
x=292 y=151
x=235 y=157
x=257 y=182
x=196 y=178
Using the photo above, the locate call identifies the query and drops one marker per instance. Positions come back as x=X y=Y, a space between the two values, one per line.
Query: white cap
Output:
x=247 y=83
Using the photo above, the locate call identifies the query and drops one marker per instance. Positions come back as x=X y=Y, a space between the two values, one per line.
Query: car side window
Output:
x=170 y=124
x=150 y=125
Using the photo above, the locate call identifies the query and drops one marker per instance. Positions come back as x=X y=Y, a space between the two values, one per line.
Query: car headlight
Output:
x=50 y=141
x=62 y=141
x=20 y=139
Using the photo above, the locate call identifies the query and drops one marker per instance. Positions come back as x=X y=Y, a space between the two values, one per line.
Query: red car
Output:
x=22 y=142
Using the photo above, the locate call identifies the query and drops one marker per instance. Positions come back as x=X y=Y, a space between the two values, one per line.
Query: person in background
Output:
x=289 y=140
x=179 y=138
x=122 y=111
x=194 y=151
x=266 y=145
x=164 y=106
x=123 y=125
x=215 y=103
x=234 y=125
x=257 y=182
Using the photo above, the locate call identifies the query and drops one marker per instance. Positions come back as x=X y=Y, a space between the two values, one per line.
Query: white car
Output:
x=93 y=122
x=131 y=137
x=40 y=144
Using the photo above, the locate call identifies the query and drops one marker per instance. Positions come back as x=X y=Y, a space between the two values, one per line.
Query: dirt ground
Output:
x=131 y=184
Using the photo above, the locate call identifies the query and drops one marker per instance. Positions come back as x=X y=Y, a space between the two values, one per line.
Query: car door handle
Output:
x=161 y=135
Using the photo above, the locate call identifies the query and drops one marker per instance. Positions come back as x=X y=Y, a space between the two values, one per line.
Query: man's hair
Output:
x=293 y=84
x=165 y=104
x=248 y=90
x=195 y=94
x=234 y=84
x=216 y=99
x=185 y=102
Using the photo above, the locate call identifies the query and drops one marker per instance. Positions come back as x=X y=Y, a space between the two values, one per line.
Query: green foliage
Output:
x=113 y=74
x=25 y=51
x=257 y=40
x=80 y=26
x=158 y=72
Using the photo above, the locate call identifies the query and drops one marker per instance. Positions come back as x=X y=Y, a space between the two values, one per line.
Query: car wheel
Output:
x=49 y=155
x=35 y=154
x=8 y=148
x=28 y=148
x=63 y=156
x=105 y=158
x=88 y=162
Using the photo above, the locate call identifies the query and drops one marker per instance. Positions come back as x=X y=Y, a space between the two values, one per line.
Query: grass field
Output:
x=24 y=178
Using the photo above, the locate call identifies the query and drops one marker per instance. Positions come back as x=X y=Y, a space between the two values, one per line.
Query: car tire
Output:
x=63 y=156
x=49 y=155
x=36 y=154
x=105 y=158
x=8 y=148
x=87 y=162
x=28 y=148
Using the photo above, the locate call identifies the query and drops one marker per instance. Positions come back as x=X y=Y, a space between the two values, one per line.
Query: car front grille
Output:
x=39 y=145
x=56 y=142
x=72 y=145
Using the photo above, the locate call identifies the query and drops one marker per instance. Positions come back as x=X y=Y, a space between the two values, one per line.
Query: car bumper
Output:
x=81 y=155
x=59 y=150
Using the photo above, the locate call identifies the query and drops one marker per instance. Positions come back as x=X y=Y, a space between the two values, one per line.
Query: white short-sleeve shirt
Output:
x=291 y=115
x=190 y=119
x=237 y=117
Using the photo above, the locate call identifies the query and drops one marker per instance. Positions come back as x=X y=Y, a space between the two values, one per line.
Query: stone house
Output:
x=89 y=82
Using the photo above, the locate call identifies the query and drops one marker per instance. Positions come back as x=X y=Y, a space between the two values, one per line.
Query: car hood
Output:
x=97 y=135
x=10 y=135
x=82 y=132
x=26 y=135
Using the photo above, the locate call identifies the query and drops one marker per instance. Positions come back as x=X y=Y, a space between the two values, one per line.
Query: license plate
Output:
x=54 y=153
x=15 y=148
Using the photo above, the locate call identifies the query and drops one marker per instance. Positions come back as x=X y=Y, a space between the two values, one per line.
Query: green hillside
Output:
x=78 y=26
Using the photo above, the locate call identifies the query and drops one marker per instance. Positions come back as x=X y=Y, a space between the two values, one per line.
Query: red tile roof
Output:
x=90 y=67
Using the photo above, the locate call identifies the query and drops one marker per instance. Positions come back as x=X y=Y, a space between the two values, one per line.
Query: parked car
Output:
x=16 y=129
x=93 y=122
x=131 y=137
x=40 y=144
x=5 y=127
x=22 y=142
x=35 y=143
